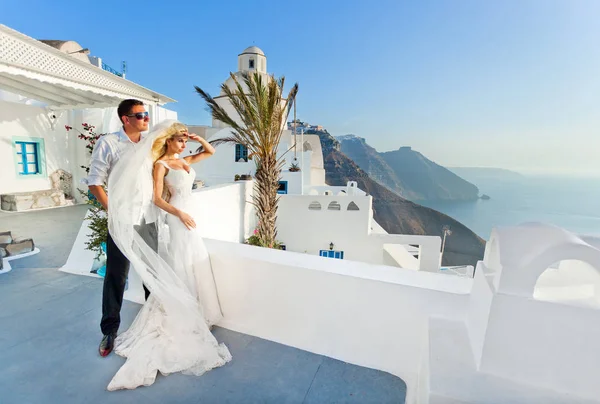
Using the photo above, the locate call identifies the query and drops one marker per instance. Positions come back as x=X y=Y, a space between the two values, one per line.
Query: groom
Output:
x=107 y=152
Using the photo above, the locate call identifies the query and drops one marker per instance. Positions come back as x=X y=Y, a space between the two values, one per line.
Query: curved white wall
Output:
x=363 y=314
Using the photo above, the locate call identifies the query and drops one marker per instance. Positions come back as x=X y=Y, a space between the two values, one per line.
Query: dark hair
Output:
x=125 y=107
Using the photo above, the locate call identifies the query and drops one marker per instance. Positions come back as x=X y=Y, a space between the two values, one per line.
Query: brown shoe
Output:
x=106 y=345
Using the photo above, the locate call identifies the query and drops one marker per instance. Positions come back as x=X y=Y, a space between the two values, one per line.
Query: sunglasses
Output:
x=139 y=116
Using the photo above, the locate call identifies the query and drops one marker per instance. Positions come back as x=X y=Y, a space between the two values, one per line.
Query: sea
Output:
x=569 y=202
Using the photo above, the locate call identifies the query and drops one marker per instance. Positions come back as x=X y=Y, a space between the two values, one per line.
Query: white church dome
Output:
x=253 y=50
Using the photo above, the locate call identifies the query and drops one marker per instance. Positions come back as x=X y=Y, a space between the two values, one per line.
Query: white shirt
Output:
x=107 y=152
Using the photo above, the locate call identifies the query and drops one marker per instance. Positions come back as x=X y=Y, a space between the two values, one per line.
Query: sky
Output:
x=512 y=84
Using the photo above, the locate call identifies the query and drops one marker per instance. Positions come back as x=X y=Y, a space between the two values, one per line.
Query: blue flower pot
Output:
x=102 y=270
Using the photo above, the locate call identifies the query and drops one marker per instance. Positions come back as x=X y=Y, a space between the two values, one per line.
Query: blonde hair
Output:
x=159 y=147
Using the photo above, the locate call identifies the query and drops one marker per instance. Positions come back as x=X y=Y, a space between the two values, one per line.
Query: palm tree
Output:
x=261 y=113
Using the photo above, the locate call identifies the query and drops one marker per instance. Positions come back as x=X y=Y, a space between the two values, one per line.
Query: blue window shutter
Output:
x=331 y=254
x=28 y=159
x=241 y=152
x=283 y=187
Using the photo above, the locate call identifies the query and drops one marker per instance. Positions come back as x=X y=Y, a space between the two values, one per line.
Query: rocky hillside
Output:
x=367 y=158
x=408 y=173
x=396 y=214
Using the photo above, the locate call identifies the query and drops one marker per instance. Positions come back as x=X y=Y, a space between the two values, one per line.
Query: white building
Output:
x=313 y=217
x=524 y=329
x=45 y=86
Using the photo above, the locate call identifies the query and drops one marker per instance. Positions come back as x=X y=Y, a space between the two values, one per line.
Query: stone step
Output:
x=6 y=237
x=22 y=201
x=20 y=247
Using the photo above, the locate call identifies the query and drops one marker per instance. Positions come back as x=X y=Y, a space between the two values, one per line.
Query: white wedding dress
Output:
x=171 y=333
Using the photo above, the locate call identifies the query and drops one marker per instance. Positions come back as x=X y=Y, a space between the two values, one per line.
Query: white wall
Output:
x=549 y=345
x=221 y=168
x=260 y=62
x=376 y=318
x=32 y=122
x=222 y=212
x=317 y=176
x=397 y=255
x=304 y=230
x=159 y=114
x=294 y=180
x=307 y=230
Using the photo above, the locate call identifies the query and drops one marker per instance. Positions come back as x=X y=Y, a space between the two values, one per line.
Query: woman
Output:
x=171 y=333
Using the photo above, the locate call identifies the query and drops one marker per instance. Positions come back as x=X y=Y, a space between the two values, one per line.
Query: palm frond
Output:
x=258 y=121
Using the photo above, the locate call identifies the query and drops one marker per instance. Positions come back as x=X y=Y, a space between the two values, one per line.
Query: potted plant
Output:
x=254 y=240
x=98 y=221
x=294 y=168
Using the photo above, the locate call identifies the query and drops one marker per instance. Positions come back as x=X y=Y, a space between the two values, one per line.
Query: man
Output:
x=107 y=152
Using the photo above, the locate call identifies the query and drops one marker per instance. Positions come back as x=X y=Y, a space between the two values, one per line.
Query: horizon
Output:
x=509 y=85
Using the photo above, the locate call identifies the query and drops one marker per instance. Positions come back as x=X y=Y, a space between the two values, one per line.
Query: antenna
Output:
x=295 y=138
x=447 y=232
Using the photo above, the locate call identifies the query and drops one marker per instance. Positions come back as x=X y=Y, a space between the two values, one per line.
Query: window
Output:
x=332 y=254
x=28 y=158
x=334 y=206
x=251 y=64
x=283 y=186
x=352 y=206
x=241 y=153
x=314 y=206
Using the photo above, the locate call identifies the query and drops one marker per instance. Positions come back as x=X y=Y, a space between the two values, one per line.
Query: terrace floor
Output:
x=50 y=333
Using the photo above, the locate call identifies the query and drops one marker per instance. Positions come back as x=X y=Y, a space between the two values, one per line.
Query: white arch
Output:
x=522 y=253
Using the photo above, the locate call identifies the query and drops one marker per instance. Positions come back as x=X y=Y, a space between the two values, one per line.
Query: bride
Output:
x=171 y=333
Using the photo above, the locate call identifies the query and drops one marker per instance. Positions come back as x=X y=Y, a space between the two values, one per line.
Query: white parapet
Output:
x=514 y=348
x=370 y=315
